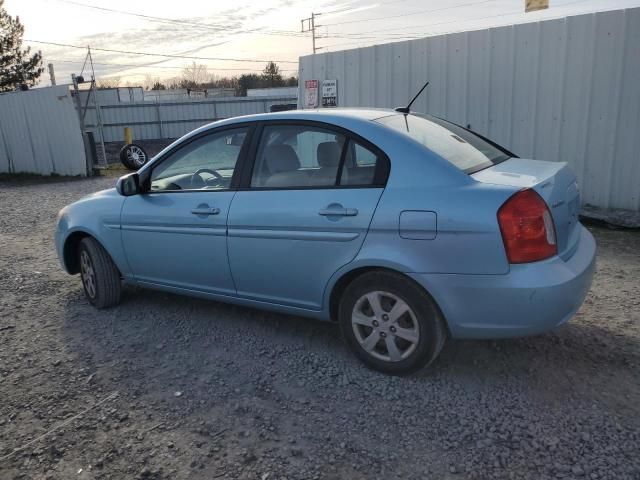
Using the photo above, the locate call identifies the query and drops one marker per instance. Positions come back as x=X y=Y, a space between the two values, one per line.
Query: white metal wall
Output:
x=40 y=133
x=272 y=91
x=173 y=119
x=561 y=90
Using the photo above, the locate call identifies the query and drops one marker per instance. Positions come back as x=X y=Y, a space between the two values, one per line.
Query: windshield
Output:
x=464 y=149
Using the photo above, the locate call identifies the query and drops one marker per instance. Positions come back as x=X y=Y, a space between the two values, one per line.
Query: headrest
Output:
x=328 y=154
x=281 y=158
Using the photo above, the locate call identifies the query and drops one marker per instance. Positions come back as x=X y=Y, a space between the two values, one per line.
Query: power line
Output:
x=419 y=12
x=425 y=34
x=361 y=36
x=364 y=36
x=107 y=64
x=165 y=55
x=183 y=22
x=402 y=36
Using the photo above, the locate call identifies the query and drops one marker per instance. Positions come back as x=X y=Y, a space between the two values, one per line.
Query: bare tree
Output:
x=194 y=75
x=108 y=82
x=152 y=83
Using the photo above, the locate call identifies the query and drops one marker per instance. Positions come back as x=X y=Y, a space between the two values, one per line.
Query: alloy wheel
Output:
x=385 y=326
x=88 y=274
x=136 y=156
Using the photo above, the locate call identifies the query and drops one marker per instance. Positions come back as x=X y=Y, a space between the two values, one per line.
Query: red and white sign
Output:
x=311 y=94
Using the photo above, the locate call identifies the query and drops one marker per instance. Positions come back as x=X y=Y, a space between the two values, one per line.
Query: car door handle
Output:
x=205 y=211
x=343 y=212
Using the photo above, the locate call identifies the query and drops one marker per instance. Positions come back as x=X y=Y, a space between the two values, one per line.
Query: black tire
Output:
x=424 y=317
x=133 y=156
x=105 y=288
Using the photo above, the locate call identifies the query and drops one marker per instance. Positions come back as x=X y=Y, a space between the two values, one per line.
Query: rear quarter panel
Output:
x=467 y=239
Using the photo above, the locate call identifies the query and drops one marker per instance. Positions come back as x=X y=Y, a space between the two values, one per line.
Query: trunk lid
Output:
x=555 y=182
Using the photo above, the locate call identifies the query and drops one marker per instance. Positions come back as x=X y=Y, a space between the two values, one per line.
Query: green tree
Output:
x=271 y=74
x=17 y=64
x=158 y=86
x=247 y=81
x=291 y=82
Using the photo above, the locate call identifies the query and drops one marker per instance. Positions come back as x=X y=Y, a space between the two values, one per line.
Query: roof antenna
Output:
x=406 y=110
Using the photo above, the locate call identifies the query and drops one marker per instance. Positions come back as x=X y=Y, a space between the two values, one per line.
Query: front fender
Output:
x=97 y=216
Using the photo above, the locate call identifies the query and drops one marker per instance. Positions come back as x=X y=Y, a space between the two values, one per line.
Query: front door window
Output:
x=207 y=163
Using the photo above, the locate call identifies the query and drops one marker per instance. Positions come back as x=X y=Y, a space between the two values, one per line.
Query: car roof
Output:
x=328 y=115
x=321 y=114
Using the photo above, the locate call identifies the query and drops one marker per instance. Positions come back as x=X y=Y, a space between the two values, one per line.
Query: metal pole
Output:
x=159 y=118
x=52 y=74
x=76 y=92
x=311 y=22
x=313 y=30
x=83 y=130
x=97 y=105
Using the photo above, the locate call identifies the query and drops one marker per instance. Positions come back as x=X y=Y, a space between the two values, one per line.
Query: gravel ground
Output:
x=176 y=388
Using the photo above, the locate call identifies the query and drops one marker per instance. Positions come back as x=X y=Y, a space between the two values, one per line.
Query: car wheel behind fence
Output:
x=133 y=156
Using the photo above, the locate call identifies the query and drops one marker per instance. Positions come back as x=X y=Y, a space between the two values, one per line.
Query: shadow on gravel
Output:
x=156 y=324
x=160 y=338
x=261 y=378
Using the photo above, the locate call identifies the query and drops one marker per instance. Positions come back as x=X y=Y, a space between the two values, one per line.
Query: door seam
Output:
x=226 y=236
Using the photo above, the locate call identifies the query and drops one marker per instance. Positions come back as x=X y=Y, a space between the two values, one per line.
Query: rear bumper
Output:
x=530 y=299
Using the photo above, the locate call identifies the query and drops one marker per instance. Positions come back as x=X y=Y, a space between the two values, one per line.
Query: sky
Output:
x=239 y=36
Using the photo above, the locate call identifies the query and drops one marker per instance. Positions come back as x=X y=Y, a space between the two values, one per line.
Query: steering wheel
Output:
x=201 y=181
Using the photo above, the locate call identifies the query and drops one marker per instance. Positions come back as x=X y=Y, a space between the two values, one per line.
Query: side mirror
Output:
x=128 y=185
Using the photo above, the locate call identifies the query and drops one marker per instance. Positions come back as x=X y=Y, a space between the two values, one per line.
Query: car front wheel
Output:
x=391 y=323
x=100 y=276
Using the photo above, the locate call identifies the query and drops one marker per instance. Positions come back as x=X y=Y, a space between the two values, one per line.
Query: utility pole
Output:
x=52 y=74
x=309 y=25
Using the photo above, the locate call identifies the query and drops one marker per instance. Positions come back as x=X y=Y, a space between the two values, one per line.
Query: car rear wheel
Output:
x=100 y=276
x=391 y=323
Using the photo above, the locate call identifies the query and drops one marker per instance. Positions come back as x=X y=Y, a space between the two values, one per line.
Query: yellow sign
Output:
x=533 y=5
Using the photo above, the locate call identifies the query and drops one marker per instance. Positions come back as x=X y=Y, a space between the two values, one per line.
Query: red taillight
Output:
x=527 y=228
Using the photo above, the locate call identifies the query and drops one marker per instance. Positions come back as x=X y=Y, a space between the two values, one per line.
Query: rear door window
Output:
x=305 y=155
x=360 y=166
x=297 y=156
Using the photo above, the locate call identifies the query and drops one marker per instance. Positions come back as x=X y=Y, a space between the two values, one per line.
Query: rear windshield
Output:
x=466 y=150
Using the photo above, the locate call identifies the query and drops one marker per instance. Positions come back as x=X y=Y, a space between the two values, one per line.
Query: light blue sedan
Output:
x=403 y=228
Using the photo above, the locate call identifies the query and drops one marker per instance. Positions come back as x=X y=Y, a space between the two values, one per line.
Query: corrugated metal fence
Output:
x=40 y=133
x=173 y=119
x=562 y=90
